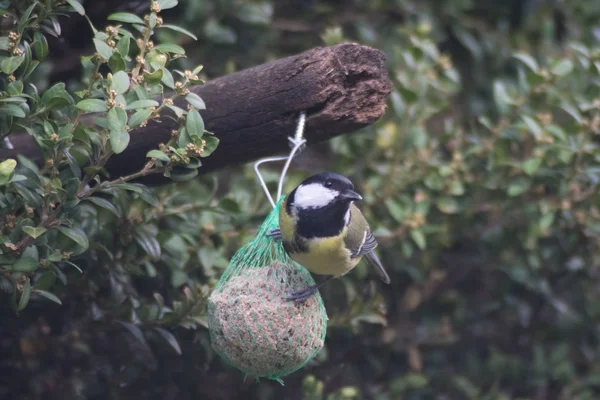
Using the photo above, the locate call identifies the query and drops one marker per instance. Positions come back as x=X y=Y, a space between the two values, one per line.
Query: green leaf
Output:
x=19 y=100
x=136 y=332
x=157 y=59
x=169 y=338
x=166 y=4
x=128 y=186
x=167 y=78
x=178 y=111
x=29 y=260
x=91 y=105
x=27 y=163
x=103 y=203
x=76 y=6
x=197 y=70
x=212 y=142
x=7 y=167
x=518 y=186
x=119 y=140
x=55 y=256
x=408 y=95
x=527 y=60
x=142 y=104
x=25 y=295
x=169 y=48
x=152 y=20
x=12 y=110
x=419 y=238
x=73 y=166
x=77 y=235
x=195 y=101
x=159 y=155
x=45 y=281
x=15 y=88
x=179 y=29
x=57 y=96
x=194 y=124
x=180 y=174
x=34 y=232
x=229 y=205
x=117 y=119
x=532 y=165
x=501 y=97
x=126 y=17
x=572 y=111
x=562 y=68
x=147 y=195
x=120 y=82
x=32 y=66
x=73 y=265
x=40 y=45
x=123 y=46
x=456 y=188
x=103 y=49
x=139 y=116
x=533 y=126
x=546 y=221
x=184 y=138
x=48 y=295
x=154 y=77
x=25 y=16
x=395 y=209
x=10 y=64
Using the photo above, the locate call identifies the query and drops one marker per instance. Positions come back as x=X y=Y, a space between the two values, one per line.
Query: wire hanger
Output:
x=297 y=143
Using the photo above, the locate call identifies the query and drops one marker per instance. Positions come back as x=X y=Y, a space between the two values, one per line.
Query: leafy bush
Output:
x=481 y=182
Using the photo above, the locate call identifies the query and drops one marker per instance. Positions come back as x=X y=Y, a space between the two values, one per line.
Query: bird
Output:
x=322 y=229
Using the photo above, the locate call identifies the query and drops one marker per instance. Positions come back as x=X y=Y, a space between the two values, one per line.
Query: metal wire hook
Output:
x=298 y=143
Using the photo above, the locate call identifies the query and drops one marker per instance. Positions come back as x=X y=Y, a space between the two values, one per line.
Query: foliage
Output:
x=69 y=232
x=481 y=183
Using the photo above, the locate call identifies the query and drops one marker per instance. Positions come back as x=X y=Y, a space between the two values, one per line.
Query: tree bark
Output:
x=341 y=88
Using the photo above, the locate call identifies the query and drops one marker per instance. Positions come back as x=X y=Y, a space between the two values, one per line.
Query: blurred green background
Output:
x=481 y=183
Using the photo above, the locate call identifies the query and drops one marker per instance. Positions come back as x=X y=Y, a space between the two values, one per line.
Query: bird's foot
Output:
x=303 y=295
x=275 y=234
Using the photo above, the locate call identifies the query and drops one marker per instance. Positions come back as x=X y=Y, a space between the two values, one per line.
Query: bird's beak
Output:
x=349 y=194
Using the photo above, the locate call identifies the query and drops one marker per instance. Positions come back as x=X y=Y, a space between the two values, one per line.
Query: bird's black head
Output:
x=322 y=204
x=324 y=190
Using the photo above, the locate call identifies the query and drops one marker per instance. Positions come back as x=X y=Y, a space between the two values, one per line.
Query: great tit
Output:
x=324 y=231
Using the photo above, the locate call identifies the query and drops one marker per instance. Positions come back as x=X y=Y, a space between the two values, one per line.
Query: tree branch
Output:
x=342 y=88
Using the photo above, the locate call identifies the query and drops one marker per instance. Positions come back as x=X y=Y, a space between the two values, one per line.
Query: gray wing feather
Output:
x=373 y=259
x=367 y=250
x=363 y=243
x=368 y=245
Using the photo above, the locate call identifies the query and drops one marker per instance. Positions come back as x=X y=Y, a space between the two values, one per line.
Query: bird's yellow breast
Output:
x=323 y=256
x=326 y=256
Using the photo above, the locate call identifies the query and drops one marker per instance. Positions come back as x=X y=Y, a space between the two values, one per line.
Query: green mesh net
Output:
x=252 y=326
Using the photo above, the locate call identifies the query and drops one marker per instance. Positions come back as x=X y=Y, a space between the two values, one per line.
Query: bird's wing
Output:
x=368 y=245
x=374 y=260
x=361 y=242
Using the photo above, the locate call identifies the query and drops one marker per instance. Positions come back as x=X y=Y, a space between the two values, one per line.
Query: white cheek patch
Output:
x=314 y=195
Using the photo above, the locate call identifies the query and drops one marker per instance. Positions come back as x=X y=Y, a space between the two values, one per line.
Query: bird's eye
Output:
x=328 y=183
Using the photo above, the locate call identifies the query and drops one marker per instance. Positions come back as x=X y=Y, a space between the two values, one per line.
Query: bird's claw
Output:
x=302 y=295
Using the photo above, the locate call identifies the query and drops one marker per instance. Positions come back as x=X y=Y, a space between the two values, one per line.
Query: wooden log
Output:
x=341 y=88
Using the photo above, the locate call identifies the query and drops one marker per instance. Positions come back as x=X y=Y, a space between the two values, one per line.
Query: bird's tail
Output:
x=373 y=259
